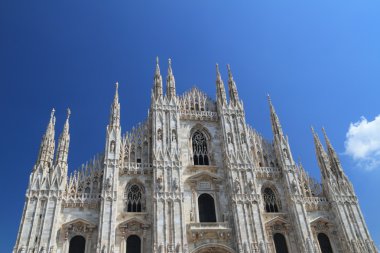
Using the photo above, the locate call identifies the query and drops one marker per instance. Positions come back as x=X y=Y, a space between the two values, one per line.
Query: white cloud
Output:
x=363 y=143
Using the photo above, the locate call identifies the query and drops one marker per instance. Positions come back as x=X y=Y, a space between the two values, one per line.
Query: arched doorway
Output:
x=77 y=244
x=206 y=207
x=133 y=244
x=324 y=243
x=280 y=243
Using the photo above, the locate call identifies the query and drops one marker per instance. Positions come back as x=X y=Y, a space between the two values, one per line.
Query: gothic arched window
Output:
x=324 y=243
x=272 y=204
x=206 y=206
x=135 y=196
x=280 y=243
x=77 y=244
x=200 y=152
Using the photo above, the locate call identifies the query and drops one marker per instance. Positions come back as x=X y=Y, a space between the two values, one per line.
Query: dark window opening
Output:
x=133 y=244
x=324 y=243
x=77 y=244
x=206 y=208
x=280 y=243
x=138 y=160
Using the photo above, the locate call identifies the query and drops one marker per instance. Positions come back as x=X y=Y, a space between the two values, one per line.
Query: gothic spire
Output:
x=321 y=155
x=220 y=90
x=64 y=142
x=115 y=109
x=46 y=153
x=276 y=125
x=234 y=97
x=170 y=82
x=157 y=81
x=333 y=157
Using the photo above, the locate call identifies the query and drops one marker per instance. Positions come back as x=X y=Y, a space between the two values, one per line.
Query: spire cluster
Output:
x=47 y=148
x=170 y=82
x=329 y=162
x=221 y=92
x=157 y=91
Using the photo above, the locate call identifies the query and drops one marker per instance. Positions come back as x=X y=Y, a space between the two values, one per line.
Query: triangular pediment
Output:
x=202 y=175
x=80 y=221
x=276 y=220
x=320 y=219
x=133 y=220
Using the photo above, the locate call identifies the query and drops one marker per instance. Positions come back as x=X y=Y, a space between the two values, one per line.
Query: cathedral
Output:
x=193 y=178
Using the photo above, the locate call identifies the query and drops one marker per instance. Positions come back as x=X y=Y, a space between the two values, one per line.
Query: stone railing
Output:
x=198 y=115
x=197 y=168
x=90 y=200
x=136 y=168
x=316 y=203
x=267 y=172
x=208 y=225
x=209 y=230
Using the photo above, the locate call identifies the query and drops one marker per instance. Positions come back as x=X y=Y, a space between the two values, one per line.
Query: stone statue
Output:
x=112 y=146
x=262 y=247
x=159 y=183
x=175 y=184
x=237 y=185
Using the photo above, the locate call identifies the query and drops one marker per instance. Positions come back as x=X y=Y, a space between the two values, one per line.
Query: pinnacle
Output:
x=312 y=130
x=229 y=71
x=170 y=67
x=157 y=67
x=270 y=103
x=68 y=113
x=218 y=72
x=116 y=92
x=327 y=138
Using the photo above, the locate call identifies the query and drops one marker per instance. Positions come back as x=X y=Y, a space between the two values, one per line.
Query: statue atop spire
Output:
x=170 y=82
x=46 y=153
x=64 y=142
x=115 y=109
x=234 y=97
x=220 y=90
x=157 y=83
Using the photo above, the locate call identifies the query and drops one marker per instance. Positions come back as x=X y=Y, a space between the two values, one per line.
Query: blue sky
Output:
x=319 y=60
